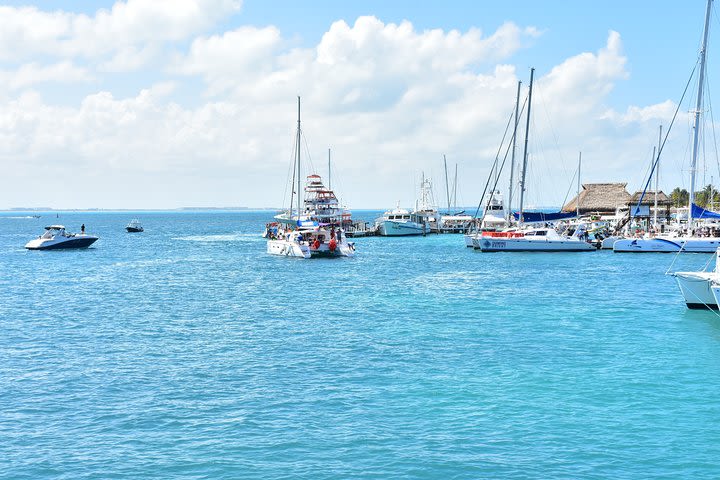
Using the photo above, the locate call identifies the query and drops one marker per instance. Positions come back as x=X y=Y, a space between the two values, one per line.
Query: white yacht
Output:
x=494 y=218
x=400 y=222
x=533 y=240
x=55 y=238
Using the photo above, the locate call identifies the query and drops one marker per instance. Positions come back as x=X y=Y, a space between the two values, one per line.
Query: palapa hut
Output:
x=602 y=198
x=648 y=204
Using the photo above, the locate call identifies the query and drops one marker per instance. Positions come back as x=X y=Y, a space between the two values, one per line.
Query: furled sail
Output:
x=700 y=213
x=533 y=217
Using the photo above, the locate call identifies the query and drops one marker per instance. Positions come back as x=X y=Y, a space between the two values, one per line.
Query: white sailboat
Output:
x=315 y=228
x=680 y=242
x=543 y=239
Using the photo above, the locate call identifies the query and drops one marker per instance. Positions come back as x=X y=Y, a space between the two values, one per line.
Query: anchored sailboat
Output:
x=679 y=242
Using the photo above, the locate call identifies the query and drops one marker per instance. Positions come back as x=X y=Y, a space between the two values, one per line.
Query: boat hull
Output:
x=469 y=240
x=388 y=228
x=489 y=244
x=74 y=242
x=666 y=245
x=134 y=229
x=288 y=249
x=697 y=289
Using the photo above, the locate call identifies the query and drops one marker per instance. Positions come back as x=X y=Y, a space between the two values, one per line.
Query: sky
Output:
x=144 y=104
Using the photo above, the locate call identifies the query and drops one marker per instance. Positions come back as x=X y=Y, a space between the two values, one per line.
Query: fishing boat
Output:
x=313 y=226
x=56 y=238
x=134 y=226
x=534 y=239
x=682 y=241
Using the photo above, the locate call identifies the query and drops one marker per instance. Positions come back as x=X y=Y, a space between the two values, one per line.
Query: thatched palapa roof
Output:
x=649 y=198
x=600 y=197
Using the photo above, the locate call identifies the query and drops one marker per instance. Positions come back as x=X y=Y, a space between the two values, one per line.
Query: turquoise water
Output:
x=186 y=351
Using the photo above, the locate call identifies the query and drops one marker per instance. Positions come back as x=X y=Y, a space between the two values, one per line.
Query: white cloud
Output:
x=388 y=99
x=33 y=74
x=129 y=25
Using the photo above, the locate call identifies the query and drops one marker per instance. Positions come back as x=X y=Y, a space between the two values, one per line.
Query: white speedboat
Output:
x=400 y=222
x=700 y=289
x=533 y=240
x=55 y=238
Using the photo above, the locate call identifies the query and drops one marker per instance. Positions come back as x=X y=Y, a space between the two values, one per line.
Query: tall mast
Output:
x=298 y=161
x=447 y=185
x=657 y=178
x=455 y=190
x=329 y=171
x=514 y=144
x=525 y=152
x=698 y=106
x=577 y=203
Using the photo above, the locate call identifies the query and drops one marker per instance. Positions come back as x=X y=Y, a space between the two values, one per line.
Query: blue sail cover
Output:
x=532 y=217
x=699 y=213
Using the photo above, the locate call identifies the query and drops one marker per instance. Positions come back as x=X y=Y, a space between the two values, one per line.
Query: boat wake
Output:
x=235 y=237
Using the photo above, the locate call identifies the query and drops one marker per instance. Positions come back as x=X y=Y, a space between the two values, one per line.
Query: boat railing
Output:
x=503 y=234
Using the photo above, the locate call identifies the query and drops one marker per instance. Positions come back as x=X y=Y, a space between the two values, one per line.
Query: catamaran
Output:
x=543 y=239
x=683 y=241
x=315 y=227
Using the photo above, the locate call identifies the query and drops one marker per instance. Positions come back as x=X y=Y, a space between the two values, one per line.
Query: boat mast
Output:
x=447 y=186
x=329 y=178
x=455 y=190
x=512 y=158
x=577 y=203
x=698 y=106
x=657 y=178
x=525 y=152
x=298 y=161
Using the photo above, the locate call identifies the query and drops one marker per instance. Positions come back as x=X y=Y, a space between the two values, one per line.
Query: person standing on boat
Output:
x=82 y=229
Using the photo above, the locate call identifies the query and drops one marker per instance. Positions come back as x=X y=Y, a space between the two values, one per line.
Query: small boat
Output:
x=55 y=238
x=134 y=226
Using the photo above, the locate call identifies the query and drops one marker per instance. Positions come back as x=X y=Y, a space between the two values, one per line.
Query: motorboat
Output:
x=134 y=226
x=55 y=238
x=400 y=222
x=544 y=239
x=700 y=289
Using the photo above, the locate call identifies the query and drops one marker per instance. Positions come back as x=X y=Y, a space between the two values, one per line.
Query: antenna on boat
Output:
x=525 y=152
x=698 y=106
x=512 y=159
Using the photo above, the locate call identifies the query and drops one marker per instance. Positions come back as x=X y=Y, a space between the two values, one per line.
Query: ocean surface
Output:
x=188 y=352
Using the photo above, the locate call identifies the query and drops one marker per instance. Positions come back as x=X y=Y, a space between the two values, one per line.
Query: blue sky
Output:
x=190 y=106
